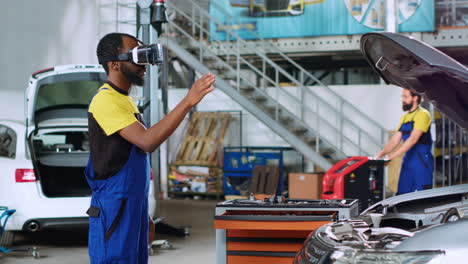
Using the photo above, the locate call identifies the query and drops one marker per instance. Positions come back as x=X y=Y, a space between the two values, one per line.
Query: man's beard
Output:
x=131 y=76
x=407 y=107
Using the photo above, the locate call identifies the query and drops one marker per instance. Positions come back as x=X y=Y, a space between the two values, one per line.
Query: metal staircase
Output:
x=315 y=120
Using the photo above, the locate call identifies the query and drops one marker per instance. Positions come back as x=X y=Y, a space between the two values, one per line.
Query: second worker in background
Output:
x=414 y=130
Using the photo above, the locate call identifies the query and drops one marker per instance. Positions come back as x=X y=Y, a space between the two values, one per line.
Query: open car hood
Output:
x=421 y=195
x=409 y=63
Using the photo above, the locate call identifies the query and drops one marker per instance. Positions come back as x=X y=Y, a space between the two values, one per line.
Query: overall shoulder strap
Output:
x=415 y=113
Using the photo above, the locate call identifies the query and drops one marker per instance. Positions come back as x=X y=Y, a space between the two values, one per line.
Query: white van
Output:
x=42 y=160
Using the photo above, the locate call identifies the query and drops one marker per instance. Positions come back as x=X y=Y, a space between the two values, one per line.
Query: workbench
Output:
x=272 y=232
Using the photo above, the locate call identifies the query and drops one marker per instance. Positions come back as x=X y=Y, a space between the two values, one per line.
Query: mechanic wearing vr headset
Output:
x=118 y=168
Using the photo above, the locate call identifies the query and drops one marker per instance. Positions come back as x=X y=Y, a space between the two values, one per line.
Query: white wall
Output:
x=40 y=34
x=382 y=103
x=255 y=133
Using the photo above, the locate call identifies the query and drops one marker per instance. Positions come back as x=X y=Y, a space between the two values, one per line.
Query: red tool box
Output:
x=356 y=178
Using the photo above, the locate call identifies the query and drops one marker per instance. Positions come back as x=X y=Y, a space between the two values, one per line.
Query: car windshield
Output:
x=66 y=93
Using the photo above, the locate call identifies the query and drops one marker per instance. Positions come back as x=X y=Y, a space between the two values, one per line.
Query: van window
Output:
x=66 y=93
x=7 y=142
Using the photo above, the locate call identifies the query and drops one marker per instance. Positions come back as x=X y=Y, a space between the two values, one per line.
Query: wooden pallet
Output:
x=264 y=180
x=203 y=141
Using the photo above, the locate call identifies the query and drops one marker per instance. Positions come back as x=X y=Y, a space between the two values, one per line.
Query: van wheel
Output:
x=7 y=239
x=451 y=215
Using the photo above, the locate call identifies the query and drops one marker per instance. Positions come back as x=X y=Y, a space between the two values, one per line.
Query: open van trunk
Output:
x=60 y=160
x=63 y=181
x=58 y=133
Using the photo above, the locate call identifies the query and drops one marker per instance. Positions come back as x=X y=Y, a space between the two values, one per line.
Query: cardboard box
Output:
x=305 y=185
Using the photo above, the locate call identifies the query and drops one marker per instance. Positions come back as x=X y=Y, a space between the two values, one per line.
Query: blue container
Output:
x=240 y=162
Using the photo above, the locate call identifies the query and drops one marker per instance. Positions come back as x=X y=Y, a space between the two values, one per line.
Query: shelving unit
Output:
x=183 y=188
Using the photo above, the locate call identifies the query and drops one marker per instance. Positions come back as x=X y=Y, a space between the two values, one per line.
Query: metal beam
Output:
x=150 y=93
x=323 y=75
x=327 y=45
x=391 y=14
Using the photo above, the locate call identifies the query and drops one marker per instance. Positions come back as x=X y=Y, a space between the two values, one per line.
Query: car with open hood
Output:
x=43 y=157
x=414 y=227
x=386 y=224
x=444 y=243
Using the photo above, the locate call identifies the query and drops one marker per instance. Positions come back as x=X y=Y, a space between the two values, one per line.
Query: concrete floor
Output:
x=71 y=246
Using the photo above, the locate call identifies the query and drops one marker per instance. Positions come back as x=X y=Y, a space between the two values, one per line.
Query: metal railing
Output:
x=449 y=13
x=268 y=46
x=326 y=114
x=450 y=152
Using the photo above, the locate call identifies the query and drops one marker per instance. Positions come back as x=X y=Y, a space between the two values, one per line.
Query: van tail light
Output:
x=151 y=175
x=25 y=175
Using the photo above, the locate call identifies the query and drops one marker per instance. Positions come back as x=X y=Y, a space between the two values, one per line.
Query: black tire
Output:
x=451 y=215
x=7 y=239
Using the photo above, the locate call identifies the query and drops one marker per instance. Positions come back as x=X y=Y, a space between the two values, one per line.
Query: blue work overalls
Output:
x=418 y=164
x=118 y=223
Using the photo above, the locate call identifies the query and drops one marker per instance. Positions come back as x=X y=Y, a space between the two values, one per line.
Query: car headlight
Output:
x=354 y=256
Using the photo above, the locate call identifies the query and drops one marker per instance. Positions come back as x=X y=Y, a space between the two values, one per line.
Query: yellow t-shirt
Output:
x=421 y=118
x=112 y=110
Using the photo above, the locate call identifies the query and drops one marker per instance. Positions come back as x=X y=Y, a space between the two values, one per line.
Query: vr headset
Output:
x=142 y=55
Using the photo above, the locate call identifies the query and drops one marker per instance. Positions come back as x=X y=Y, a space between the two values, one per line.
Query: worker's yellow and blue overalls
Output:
x=418 y=163
x=118 y=174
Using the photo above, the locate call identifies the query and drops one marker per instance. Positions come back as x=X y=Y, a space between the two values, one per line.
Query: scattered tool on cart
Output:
x=7 y=213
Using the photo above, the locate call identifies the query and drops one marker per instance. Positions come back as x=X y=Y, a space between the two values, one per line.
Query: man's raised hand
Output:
x=200 y=88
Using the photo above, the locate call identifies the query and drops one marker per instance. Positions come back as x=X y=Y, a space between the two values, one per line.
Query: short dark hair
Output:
x=109 y=47
x=413 y=94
